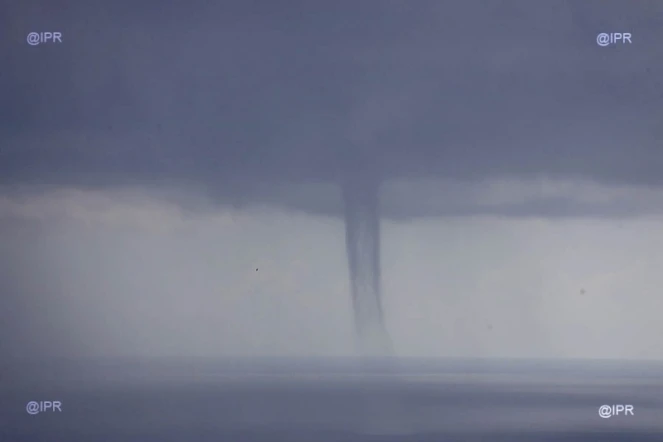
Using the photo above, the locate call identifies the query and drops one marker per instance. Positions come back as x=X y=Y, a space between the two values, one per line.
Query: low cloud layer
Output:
x=154 y=209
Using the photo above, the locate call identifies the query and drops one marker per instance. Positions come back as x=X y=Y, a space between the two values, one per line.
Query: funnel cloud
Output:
x=362 y=237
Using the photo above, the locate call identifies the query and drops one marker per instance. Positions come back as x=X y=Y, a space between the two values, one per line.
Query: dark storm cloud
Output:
x=239 y=97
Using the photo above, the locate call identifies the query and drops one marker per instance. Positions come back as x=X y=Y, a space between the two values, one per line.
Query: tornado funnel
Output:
x=362 y=237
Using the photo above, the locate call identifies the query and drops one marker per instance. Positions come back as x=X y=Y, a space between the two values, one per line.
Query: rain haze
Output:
x=423 y=179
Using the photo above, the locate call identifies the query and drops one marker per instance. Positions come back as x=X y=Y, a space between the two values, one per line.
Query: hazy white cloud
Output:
x=261 y=281
x=130 y=208
x=490 y=195
x=163 y=211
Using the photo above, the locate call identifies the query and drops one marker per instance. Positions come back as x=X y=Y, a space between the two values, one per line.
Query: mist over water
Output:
x=362 y=236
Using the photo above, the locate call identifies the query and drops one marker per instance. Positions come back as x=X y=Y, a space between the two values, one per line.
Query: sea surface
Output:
x=331 y=400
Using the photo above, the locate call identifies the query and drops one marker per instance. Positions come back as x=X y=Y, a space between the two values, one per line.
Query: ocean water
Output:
x=298 y=400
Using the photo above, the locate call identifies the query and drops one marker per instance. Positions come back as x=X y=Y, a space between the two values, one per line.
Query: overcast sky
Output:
x=170 y=176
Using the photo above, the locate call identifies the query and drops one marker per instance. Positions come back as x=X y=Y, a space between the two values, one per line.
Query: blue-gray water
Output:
x=340 y=400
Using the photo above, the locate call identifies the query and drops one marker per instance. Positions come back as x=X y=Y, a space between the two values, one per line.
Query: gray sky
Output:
x=160 y=154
